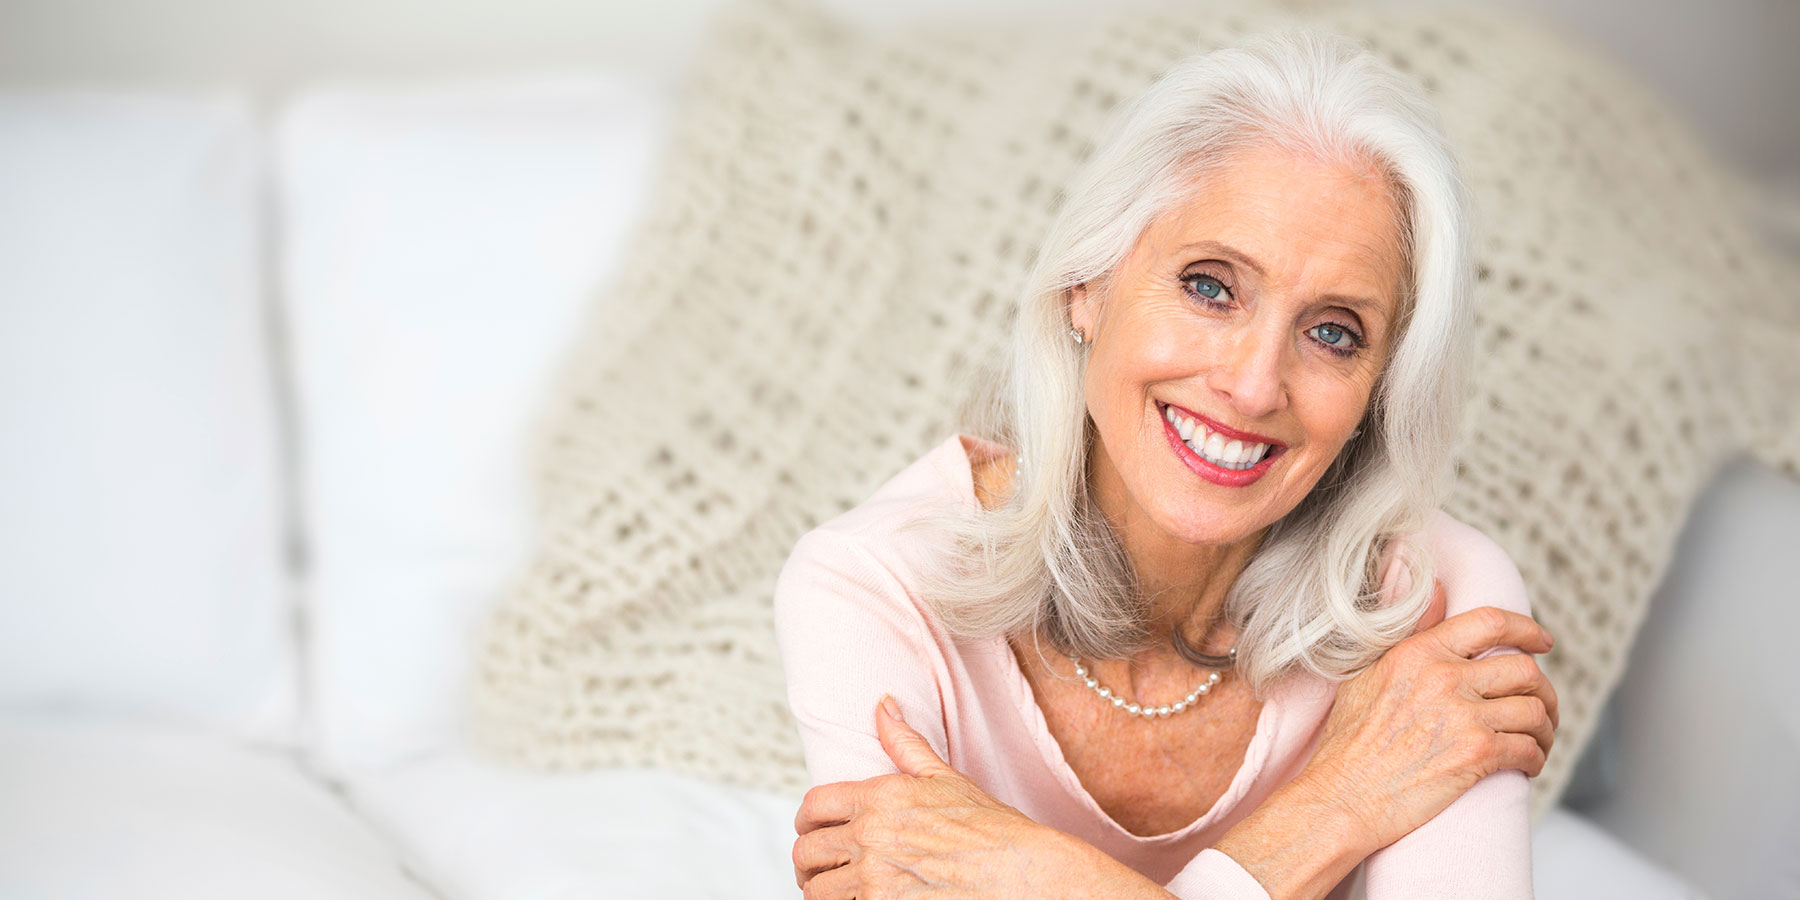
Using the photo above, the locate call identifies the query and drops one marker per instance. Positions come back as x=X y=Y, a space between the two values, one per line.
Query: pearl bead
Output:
x=1135 y=709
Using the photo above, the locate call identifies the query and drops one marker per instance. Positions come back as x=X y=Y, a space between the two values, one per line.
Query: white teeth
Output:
x=1215 y=445
x=1224 y=452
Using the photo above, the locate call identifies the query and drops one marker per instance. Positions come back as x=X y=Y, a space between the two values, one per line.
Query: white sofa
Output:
x=266 y=387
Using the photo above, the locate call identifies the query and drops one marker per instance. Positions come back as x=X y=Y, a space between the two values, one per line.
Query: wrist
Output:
x=1299 y=843
x=1336 y=813
x=1079 y=869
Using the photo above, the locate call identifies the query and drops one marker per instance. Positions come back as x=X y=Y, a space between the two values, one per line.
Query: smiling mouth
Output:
x=1214 y=447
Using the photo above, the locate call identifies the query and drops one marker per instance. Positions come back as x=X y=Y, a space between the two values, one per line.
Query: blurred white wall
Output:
x=1729 y=65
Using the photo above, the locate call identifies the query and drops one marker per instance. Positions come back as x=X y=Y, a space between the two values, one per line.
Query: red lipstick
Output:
x=1226 y=430
x=1218 y=474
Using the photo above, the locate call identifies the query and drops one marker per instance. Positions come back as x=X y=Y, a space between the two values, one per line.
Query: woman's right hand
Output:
x=1412 y=732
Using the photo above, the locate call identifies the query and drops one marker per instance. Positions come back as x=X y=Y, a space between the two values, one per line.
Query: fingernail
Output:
x=893 y=709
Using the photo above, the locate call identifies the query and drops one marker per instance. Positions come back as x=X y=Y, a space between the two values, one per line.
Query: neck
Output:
x=1186 y=583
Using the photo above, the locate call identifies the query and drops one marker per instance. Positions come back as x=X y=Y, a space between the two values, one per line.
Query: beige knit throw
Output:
x=839 y=234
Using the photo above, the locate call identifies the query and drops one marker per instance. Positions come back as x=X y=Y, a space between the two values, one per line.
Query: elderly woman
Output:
x=1191 y=623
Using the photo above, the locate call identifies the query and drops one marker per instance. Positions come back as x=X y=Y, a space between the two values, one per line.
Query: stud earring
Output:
x=1075 y=333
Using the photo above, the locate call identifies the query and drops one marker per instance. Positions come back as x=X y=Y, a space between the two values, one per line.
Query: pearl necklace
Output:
x=1106 y=693
x=1134 y=709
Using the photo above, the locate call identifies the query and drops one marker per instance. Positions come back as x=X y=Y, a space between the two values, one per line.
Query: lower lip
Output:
x=1217 y=474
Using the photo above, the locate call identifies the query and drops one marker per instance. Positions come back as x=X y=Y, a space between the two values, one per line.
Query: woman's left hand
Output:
x=930 y=832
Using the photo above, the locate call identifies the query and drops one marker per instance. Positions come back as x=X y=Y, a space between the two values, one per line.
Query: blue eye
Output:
x=1336 y=338
x=1205 y=287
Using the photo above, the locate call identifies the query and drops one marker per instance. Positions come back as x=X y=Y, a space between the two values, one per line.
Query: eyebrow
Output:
x=1364 y=305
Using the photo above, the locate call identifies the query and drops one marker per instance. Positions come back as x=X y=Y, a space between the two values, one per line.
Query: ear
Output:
x=1081 y=311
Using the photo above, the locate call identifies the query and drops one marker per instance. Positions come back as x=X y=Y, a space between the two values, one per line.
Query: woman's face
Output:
x=1263 y=310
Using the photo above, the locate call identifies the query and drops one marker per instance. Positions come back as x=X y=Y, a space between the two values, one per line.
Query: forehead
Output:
x=1296 y=222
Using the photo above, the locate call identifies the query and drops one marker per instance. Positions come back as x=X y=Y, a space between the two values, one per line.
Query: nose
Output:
x=1251 y=373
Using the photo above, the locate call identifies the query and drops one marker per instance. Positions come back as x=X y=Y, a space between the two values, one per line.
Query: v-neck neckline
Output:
x=1256 y=755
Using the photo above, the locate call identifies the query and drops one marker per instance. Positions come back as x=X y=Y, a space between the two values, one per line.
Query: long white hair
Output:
x=1047 y=561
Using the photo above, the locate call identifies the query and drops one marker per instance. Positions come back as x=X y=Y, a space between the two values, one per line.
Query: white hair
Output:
x=1047 y=561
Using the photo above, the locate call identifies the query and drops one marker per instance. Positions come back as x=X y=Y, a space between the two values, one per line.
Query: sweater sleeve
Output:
x=848 y=633
x=1214 y=875
x=1479 y=846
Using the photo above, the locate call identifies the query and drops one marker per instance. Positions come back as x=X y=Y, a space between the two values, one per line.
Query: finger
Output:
x=819 y=851
x=1548 y=695
x=1518 y=751
x=1513 y=673
x=827 y=804
x=1434 y=611
x=906 y=747
x=840 y=883
x=1520 y=715
x=1504 y=675
x=1470 y=632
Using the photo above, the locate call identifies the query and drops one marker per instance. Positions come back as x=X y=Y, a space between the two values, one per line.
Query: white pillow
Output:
x=1706 y=749
x=140 y=531
x=112 y=810
x=443 y=245
x=475 y=829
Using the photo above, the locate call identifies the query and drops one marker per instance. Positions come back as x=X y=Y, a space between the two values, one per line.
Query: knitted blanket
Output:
x=836 y=241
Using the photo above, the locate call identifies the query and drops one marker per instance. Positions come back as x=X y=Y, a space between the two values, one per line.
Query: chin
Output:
x=1207 y=526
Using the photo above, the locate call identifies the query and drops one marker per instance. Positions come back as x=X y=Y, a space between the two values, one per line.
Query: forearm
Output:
x=1083 y=870
x=1295 y=844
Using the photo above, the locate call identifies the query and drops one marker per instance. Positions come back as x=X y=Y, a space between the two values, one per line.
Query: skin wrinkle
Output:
x=1358 y=305
x=1283 y=218
x=1316 y=230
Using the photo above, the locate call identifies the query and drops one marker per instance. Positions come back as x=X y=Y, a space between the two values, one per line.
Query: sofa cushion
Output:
x=485 y=832
x=1705 y=768
x=443 y=242
x=141 y=532
x=1573 y=859
x=99 y=810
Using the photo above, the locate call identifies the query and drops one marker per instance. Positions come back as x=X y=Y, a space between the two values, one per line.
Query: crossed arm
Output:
x=927 y=830
x=888 y=811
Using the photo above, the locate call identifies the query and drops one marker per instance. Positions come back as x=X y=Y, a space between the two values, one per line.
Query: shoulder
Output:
x=1474 y=568
x=851 y=624
x=833 y=592
x=855 y=569
x=938 y=480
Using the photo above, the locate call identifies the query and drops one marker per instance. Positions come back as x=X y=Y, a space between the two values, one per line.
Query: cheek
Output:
x=1143 y=353
x=1330 y=405
x=1172 y=349
x=1182 y=348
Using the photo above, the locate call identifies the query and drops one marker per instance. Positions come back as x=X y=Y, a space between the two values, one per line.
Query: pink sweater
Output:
x=851 y=628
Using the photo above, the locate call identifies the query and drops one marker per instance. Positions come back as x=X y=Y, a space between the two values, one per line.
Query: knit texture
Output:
x=837 y=239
